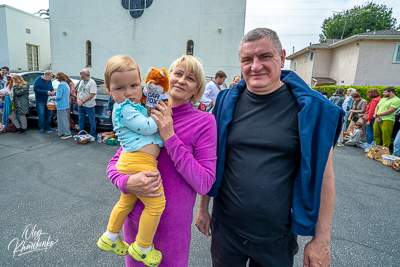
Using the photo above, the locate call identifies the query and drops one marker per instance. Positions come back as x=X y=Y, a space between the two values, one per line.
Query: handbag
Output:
x=355 y=118
x=365 y=117
x=10 y=126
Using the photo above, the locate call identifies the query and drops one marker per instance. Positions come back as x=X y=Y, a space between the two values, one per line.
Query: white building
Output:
x=85 y=34
x=24 y=40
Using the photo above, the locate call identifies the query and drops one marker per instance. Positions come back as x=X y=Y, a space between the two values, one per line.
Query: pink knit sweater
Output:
x=187 y=164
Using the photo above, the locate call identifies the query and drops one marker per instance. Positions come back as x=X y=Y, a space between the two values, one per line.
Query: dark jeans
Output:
x=83 y=111
x=230 y=249
x=44 y=116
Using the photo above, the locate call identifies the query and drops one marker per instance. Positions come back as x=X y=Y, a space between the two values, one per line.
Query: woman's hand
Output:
x=368 y=123
x=144 y=184
x=349 y=119
x=164 y=121
x=202 y=222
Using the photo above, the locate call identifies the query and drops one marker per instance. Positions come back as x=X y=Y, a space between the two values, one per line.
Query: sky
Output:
x=297 y=22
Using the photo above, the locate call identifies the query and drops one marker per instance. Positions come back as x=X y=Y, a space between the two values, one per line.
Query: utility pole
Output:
x=345 y=21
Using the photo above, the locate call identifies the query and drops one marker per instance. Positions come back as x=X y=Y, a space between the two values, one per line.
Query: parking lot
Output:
x=58 y=189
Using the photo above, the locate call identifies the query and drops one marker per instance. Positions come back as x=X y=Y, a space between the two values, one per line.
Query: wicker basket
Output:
x=387 y=160
x=84 y=141
x=51 y=107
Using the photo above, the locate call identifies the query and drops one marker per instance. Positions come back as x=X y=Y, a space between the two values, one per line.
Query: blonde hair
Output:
x=18 y=81
x=119 y=63
x=194 y=66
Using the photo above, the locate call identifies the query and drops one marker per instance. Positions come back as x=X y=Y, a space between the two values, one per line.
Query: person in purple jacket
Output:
x=187 y=164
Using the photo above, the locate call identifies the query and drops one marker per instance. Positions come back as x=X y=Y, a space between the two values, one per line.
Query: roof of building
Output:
x=333 y=43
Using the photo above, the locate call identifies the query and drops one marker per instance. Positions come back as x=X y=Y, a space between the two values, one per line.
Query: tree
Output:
x=357 y=20
x=44 y=12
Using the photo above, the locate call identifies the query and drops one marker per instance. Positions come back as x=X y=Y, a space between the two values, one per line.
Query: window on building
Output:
x=295 y=65
x=305 y=57
x=28 y=31
x=88 y=53
x=189 y=47
x=32 y=53
x=396 y=57
x=136 y=7
x=311 y=56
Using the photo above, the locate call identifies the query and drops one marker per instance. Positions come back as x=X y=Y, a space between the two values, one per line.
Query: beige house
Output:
x=371 y=58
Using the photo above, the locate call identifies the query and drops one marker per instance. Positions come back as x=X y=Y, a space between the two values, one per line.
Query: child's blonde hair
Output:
x=119 y=63
x=193 y=65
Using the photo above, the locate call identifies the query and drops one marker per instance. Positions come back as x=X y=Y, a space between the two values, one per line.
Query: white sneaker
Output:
x=66 y=136
x=92 y=139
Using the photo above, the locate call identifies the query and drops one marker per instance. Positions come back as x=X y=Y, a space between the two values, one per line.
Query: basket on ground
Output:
x=387 y=160
x=82 y=137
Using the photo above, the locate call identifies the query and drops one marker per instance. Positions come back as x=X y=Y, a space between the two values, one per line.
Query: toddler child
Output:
x=140 y=141
x=355 y=136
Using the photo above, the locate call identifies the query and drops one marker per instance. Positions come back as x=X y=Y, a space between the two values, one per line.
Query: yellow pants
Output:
x=130 y=163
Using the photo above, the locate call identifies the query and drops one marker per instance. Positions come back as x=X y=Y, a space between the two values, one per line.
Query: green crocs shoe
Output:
x=151 y=258
x=119 y=248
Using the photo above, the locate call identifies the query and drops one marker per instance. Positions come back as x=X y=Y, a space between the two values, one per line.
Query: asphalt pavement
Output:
x=57 y=190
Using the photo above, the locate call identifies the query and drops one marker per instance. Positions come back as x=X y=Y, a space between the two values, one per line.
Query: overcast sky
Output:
x=297 y=22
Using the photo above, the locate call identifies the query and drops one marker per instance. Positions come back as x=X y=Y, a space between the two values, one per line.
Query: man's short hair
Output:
x=48 y=72
x=389 y=89
x=235 y=78
x=5 y=67
x=86 y=72
x=259 y=33
x=220 y=74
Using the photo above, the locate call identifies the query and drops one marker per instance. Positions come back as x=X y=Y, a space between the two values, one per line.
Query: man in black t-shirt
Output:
x=252 y=213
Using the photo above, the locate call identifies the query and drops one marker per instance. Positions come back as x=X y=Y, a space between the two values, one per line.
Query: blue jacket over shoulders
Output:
x=320 y=124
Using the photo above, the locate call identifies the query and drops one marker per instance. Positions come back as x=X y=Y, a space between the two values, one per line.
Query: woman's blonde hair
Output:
x=18 y=81
x=61 y=77
x=194 y=66
x=119 y=63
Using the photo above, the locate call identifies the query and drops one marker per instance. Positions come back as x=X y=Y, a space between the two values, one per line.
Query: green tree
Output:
x=44 y=12
x=357 y=20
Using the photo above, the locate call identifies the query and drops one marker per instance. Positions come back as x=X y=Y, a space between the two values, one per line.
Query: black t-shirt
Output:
x=262 y=157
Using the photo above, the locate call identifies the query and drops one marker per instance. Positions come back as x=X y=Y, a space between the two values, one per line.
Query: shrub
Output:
x=362 y=90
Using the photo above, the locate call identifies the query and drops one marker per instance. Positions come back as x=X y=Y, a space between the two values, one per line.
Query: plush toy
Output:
x=156 y=89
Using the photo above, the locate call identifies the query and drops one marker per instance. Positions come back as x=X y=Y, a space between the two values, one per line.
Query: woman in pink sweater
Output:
x=187 y=164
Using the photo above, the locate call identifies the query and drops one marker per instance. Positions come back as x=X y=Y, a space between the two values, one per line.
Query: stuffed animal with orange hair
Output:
x=156 y=89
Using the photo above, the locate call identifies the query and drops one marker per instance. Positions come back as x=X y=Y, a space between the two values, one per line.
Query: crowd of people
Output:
x=375 y=119
x=14 y=99
x=266 y=192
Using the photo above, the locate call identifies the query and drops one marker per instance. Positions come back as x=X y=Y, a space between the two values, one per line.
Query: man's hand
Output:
x=317 y=254
x=108 y=112
x=80 y=103
x=202 y=222
x=212 y=103
x=49 y=93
